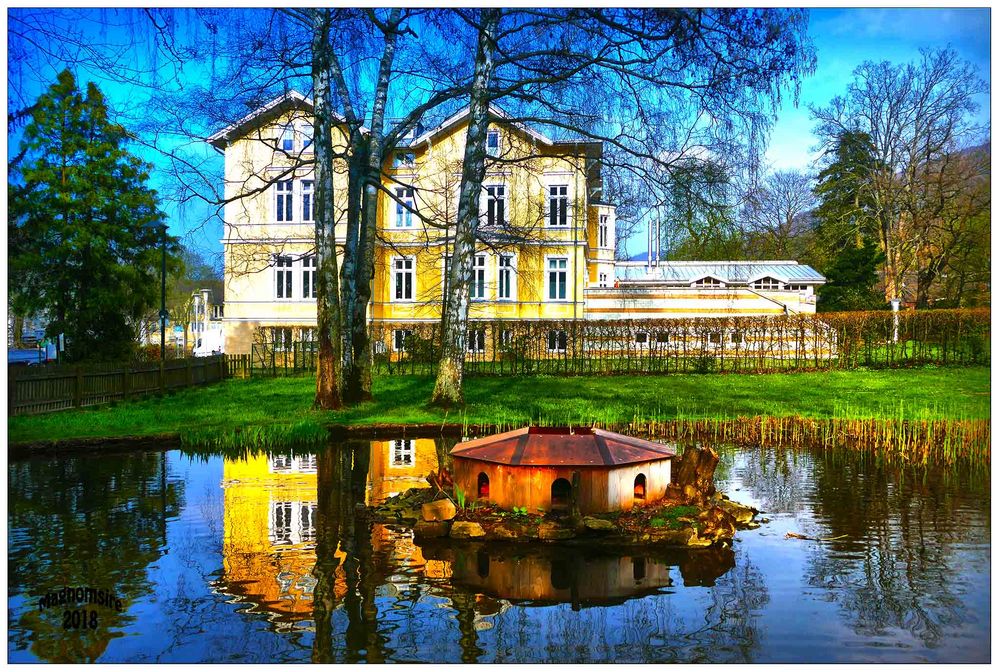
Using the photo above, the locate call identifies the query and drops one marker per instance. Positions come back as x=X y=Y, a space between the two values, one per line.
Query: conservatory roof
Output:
x=730 y=272
x=562 y=446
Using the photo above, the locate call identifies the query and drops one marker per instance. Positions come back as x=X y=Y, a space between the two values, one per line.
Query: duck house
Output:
x=560 y=468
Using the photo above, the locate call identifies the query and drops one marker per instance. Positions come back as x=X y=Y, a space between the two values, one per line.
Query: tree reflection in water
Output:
x=900 y=565
x=79 y=521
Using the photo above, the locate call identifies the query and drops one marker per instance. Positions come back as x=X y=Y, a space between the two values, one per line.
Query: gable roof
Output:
x=463 y=113
x=291 y=100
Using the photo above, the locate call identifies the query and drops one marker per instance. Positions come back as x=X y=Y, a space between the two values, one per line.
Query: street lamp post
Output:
x=163 y=310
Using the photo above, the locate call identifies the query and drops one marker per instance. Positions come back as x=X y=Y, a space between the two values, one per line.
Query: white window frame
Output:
x=287 y=138
x=559 y=334
x=603 y=231
x=307 y=138
x=708 y=282
x=403 y=453
x=563 y=199
x=284 y=277
x=767 y=284
x=281 y=343
x=411 y=272
x=308 y=200
x=400 y=162
x=477 y=286
x=548 y=272
x=490 y=195
x=602 y=280
x=284 y=201
x=506 y=338
x=642 y=339
x=399 y=337
x=494 y=151
x=511 y=271
x=405 y=207
x=309 y=276
x=476 y=341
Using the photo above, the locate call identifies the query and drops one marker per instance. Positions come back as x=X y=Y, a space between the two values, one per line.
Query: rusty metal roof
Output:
x=560 y=446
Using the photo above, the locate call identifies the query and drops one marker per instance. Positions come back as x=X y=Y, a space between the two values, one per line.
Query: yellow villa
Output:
x=548 y=238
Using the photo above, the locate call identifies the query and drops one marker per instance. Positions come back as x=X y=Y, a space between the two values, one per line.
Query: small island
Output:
x=572 y=485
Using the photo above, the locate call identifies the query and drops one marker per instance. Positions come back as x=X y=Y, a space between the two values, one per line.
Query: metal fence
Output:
x=53 y=387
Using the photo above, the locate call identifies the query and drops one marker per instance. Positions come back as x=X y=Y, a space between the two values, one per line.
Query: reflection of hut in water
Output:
x=537 y=466
x=554 y=575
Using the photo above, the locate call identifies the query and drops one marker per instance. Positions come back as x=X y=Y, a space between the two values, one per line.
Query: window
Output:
x=662 y=337
x=402 y=453
x=399 y=338
x=602 y=280
x=478 y=289
x=309 y=277
x=557 y=341
x=708 y=282
x=642 y=339
x=495 y=205
x=797 y=288
x=558 y=205
x=307 y=464
x=287 y=143
x=404 y=207
x=281 y=338
x=736 y=337
x=308 y=201
x=476 y=340
x=281 y=525
x=506 y=338
x=306 y=137
x=492 y=143
x=279 y=464
x=285 y=201
x=283 y=276
x=603 y=232
x=403 y=160
x=715 y=338
x=506 y=277
x=403 y=277
x=307 y=522
x=307 y=334
x=557 y=278
x=771 y=284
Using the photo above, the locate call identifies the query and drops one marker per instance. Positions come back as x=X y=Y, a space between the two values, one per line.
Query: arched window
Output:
x=561 y=493
x=483 y=485
x=640 y=487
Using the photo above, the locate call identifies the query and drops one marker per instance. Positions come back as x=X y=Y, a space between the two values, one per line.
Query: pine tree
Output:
x=84 y=230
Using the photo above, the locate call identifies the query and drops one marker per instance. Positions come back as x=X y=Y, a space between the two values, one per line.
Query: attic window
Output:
x=771 y=284
x=492 y=143
x=708 y=282
x=404 y=160
x=288 y=138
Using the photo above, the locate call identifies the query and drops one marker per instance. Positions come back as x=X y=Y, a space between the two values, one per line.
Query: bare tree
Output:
x=777 y=214
x=914 y=114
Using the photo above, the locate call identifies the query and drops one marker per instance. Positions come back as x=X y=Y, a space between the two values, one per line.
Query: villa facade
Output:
x=547 y=237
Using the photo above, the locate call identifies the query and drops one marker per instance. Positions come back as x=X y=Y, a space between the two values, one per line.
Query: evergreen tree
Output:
x=850 y=256
x=84 y=230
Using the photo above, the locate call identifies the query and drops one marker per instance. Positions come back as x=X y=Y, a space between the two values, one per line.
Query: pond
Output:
x=262 y=557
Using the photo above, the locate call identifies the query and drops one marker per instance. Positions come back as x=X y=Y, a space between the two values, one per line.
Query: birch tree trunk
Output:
x=448 y=389
x=329 y=394
x=357 y=372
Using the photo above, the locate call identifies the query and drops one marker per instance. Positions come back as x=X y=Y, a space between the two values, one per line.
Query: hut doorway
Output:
x=483 y=486
x=561 y=494
x=640 y=487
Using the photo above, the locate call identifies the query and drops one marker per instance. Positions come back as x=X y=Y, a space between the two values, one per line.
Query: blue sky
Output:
x=843 y=38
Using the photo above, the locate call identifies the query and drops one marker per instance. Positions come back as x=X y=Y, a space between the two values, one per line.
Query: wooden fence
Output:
x=40 y=389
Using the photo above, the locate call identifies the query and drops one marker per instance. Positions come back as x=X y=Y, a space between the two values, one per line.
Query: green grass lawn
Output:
x=909 y=393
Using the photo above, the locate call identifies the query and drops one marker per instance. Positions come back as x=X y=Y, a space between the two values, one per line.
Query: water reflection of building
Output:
x=270 y=516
